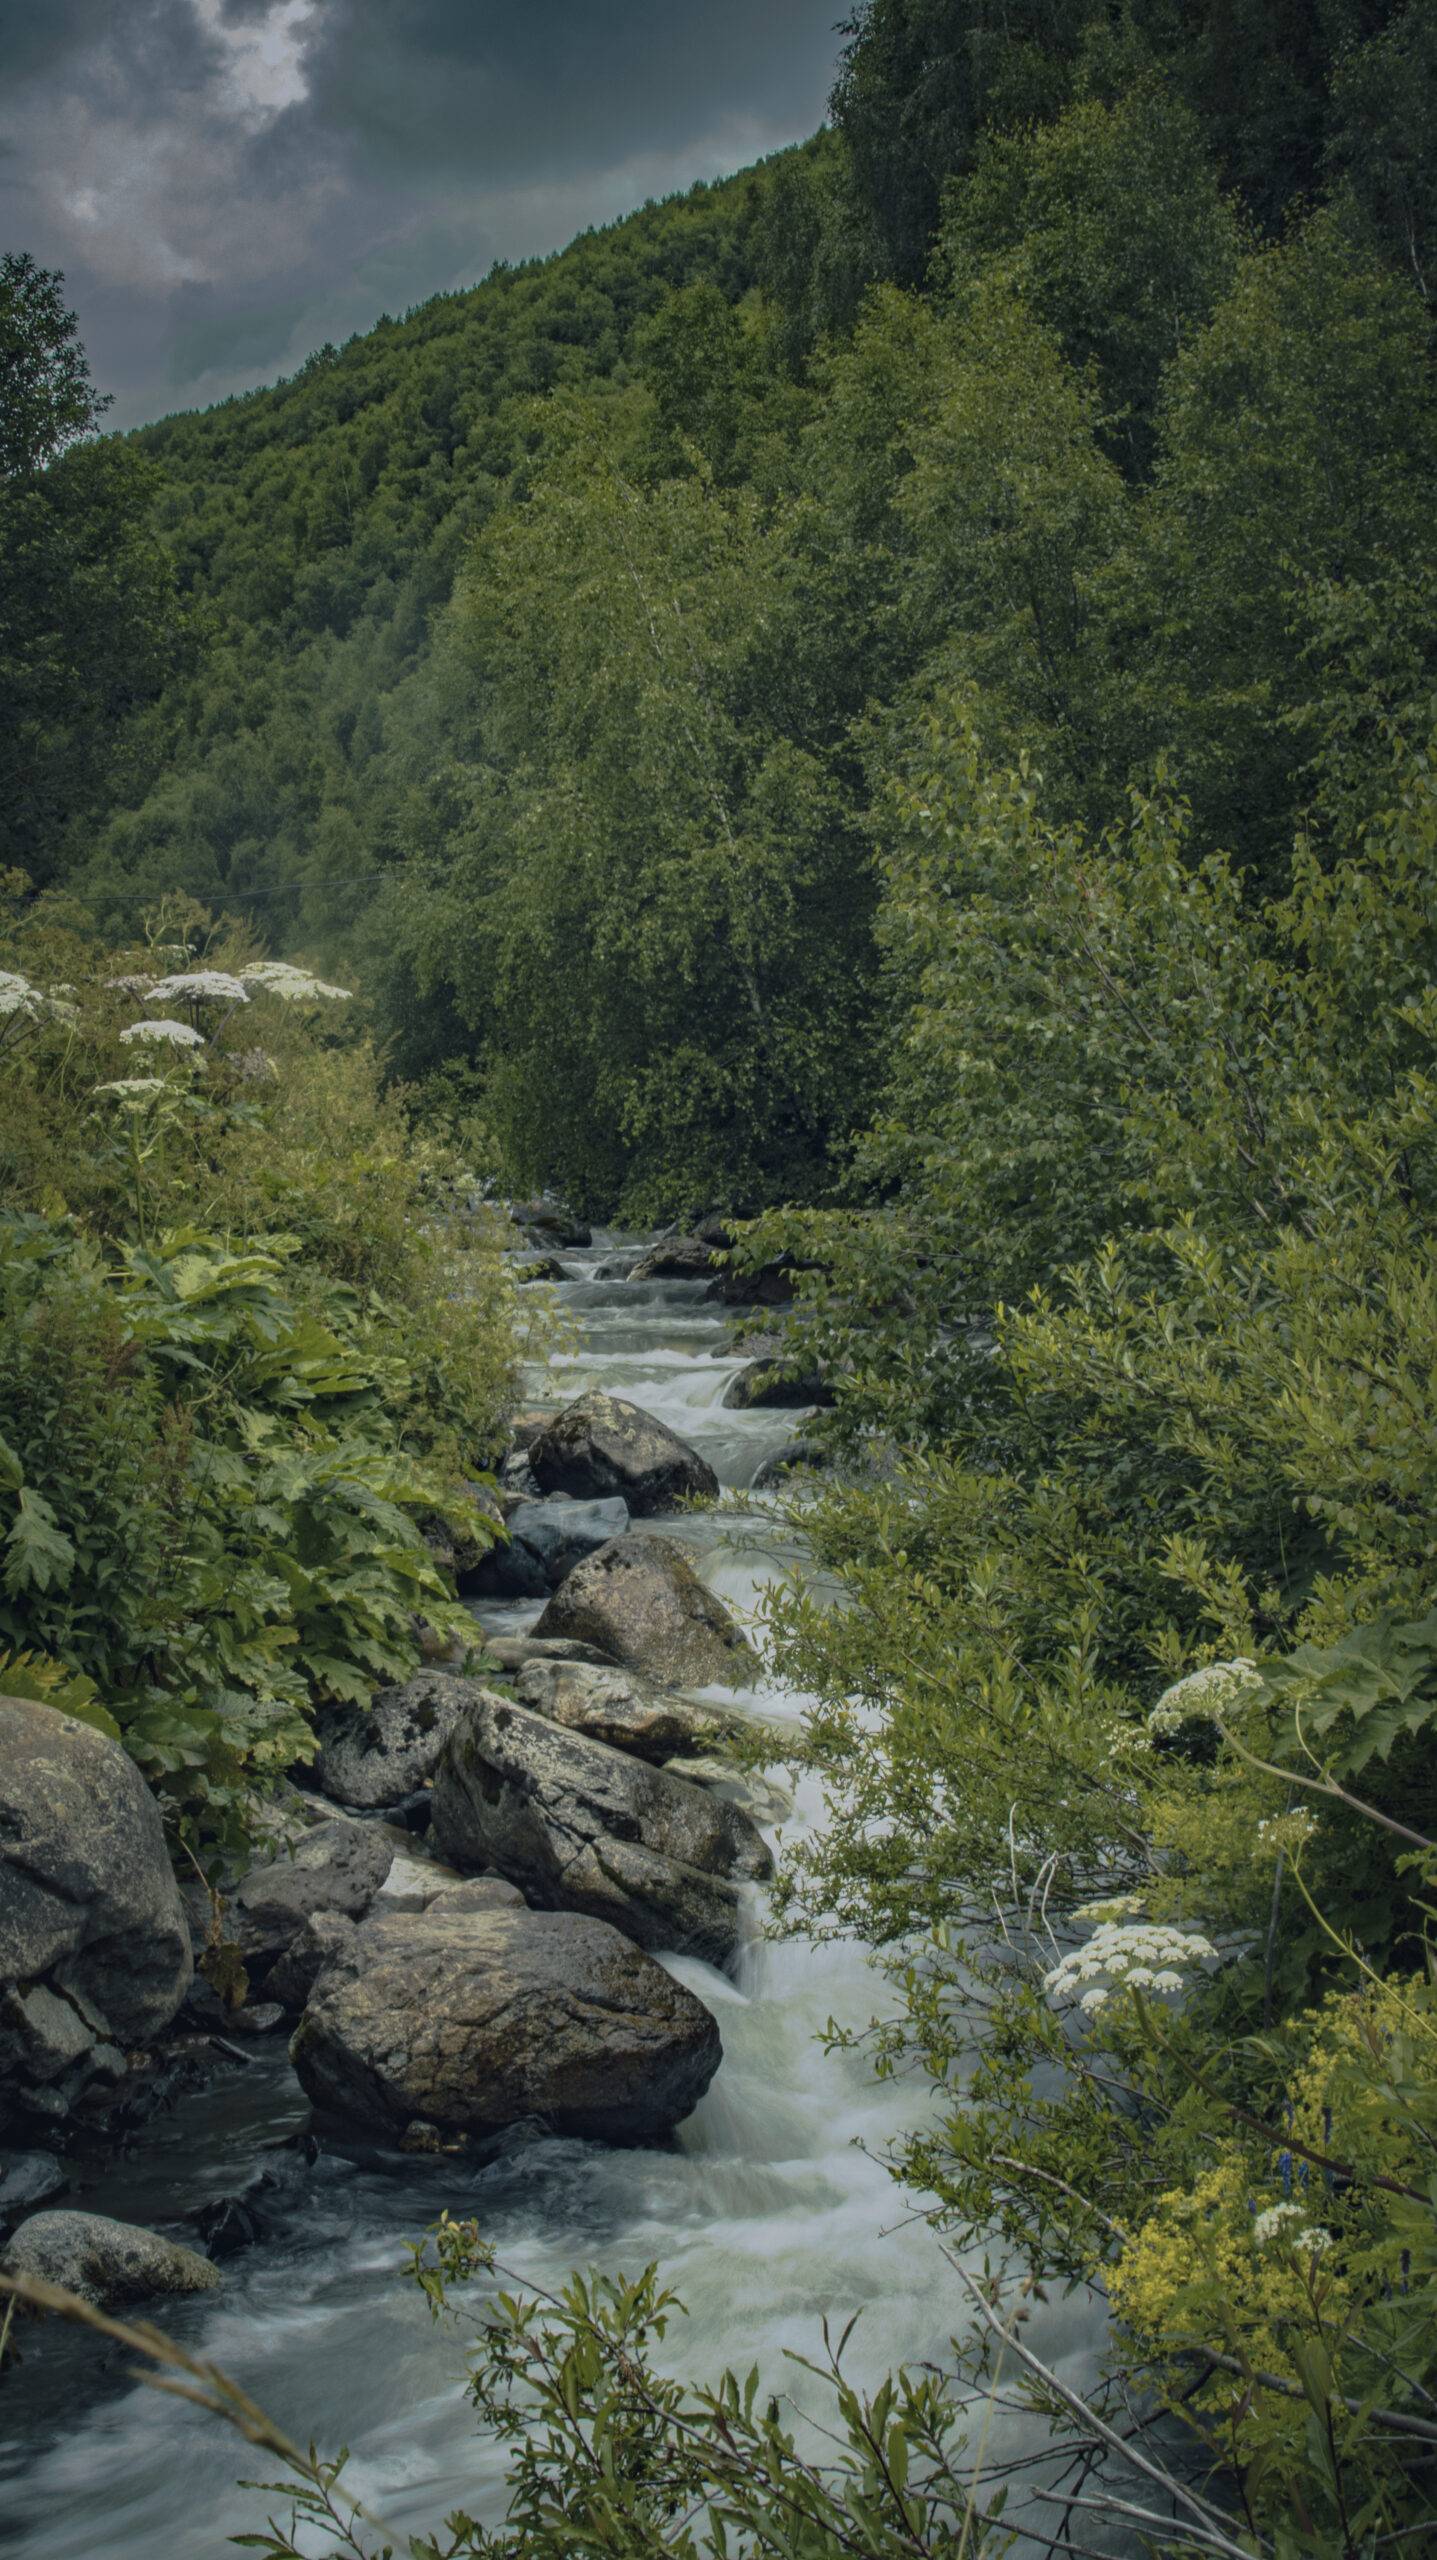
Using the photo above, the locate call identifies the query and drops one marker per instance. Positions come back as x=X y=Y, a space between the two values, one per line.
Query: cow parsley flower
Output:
x=134 y=1088
x=199 y=986
x=1204 y=1694
x=181 y=1035
x=1288 y=2223
x=1144 y=1957
x=294 y=986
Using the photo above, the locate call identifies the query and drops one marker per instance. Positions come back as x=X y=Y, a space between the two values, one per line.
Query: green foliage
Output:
x=220 y=1434
x=612 y=2459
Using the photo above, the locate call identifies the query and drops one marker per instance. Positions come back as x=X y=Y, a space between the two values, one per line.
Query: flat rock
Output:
x=94 y=1944
x=618 y=1707
x=641 y=1602
x=581 y=1827
x=104 y=2262
x=601 y=1445
x=471 y=2019
x=377 y=1755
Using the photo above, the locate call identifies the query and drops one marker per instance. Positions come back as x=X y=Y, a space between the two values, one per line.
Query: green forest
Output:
x=890 y=700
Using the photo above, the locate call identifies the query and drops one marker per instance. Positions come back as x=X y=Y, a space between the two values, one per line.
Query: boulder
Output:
x=561 y=1532
x=771 y=1285
x=601 y=1446
x=761 y=1796
x=784 y=1462
x=337 y=1867
x=511 y=1570
x=776 y=1382
x=27 y=2179
x=676 y=1258
x=621 y=1708
x=471 y=2019
x=545 y=1225
x=293 y=1977
x=94 y=1945
x=104 y=2262
x=377 y=1755
x=582 y=1827
x=542 y=1266
x=641 y=1602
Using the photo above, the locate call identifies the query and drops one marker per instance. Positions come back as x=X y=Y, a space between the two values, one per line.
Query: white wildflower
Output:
x=199 y=986
x=181 y=1035
x=1204 y=1694
x=294 y=986
x=1093 y=2001
x=18 y=996
x=1119 y=1906
x=1141 y=1957
x=1269 y=2224
x=134 y=1088
x=130 y=986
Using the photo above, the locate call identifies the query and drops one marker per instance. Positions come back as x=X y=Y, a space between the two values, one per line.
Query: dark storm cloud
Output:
x=226 y=183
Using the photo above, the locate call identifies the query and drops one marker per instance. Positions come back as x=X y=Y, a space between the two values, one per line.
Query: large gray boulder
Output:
x=581 y=1827
x=94 y=1947
x=601 y=1446
x=337 y=1867
x=472 y=2018
x=640 y=1601
x=561 y=1531
x=104 y=2262
x=621 y=1708
x=379 y=1754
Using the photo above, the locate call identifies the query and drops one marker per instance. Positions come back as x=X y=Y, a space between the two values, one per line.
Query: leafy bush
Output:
x=248 y=1347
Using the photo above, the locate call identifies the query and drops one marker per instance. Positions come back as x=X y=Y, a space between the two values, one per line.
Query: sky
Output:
x=227 y=184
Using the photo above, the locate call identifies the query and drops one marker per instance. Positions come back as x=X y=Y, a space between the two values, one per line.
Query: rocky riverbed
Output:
x=550 y=2006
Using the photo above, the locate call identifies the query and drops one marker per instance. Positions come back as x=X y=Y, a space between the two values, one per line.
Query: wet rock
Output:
x=511 y=1570
x=620 y=1708
x=338 y=1867
x=771 y=1285
x=257 y=2019
x=546 y=1225
x=676 y=1258
x=473 y=2019
x=104 y=2262
x=94 y=1945
x=762 y=1797
x=27 y=2179
x=776 y=1382
x=601 y=1446
x=641 y=1602
x=582 y=1827
x=561 y=1531
x=542 y=1267
x=784 y=1462
x=377 y=1755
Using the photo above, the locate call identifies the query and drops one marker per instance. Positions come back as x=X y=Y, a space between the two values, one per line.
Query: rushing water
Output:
x=769 y=2212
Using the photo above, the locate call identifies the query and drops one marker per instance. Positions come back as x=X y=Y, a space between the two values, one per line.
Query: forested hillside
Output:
x=549 y=651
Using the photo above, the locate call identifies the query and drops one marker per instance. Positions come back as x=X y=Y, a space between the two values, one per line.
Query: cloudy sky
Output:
x=228 y=183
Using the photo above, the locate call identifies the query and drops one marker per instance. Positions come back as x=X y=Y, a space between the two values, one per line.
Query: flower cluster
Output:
x=1287 y=2222
x=199 y=986
x=1204 y=1694
x=1282 y=1833
x=1148 y=1957
x=134 y=1088
x=294 y=986
x=181 y=1035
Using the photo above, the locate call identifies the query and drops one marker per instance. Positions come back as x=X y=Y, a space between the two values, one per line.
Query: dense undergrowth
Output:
x=253 y=1336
